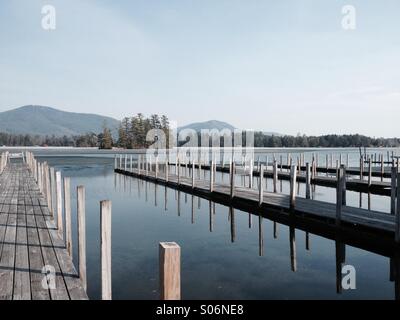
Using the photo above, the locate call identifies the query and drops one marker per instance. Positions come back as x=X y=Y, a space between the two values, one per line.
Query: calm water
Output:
x=216 y=264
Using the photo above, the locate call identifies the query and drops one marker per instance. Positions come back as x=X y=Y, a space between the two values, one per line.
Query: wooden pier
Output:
x=34 y=261
x=284 y=207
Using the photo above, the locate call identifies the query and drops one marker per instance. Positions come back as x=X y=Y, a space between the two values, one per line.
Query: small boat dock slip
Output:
x=34 y=262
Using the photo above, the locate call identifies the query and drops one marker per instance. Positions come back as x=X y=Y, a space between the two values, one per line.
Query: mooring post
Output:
x=275 y=173
x=53 y=190
x=382 y=168
x=193 y=175
x=232 y=179
x=115 y=162
x=308 y=181
x=393 y=191
x=293 y=178
x=48 y=190
x=166 y=171
x=260 y=185
x=340 y=191
x=59 y=204
x=179 y=171
x=81 y=222
x=398 y=209
x=130 y=163
x=105 y=239
x=67 y=211
x=170 y=271
x=156 y=167
x=361 y=168
x=369 y=172
x=212 y=176
x=120 y=161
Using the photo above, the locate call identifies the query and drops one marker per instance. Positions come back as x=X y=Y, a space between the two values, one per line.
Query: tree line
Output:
x=133 y=130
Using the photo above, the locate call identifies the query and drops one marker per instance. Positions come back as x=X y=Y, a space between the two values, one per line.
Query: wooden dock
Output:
x=283 y=207
x=34 y=262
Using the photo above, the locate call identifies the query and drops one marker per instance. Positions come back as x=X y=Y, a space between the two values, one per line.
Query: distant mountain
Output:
x=39 y=120
x=219 y=125
x=212 y=124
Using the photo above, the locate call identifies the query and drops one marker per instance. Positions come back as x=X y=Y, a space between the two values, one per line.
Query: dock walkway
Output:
x=34 y=262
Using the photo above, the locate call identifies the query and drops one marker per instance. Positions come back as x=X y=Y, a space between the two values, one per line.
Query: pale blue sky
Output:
x=284 y=66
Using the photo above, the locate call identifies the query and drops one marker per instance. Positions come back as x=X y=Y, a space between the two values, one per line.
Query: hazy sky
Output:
x=284 y=66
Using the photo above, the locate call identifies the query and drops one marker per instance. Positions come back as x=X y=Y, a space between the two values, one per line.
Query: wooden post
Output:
x=212 y=176
x=361 y=168
x=81 y=221
x=48 y=189
x=369 y=172
x=179 y=171
x=308 y=181
x=260 y=185
x=105 y=238
x=67 y=211
x=130 y=163
x=393 y=191
x=53 y=190
x=166 y=171
x=170 y=271
x=382 y=167
x=193 y=174
x=293 y=178
x=59 y=205
x=397 y=234
x=232 y=178
x=275 y=173
x=156 y=168
x=339 y=194
x=115 y=162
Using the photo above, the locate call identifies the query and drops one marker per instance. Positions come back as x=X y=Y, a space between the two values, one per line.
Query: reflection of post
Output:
x=250 y=220
x=275 y=230
x=179 y=203
x=293 y=259
x=211 y=217
x=155 y=194
x=308 y=181
x=165 y=198
x=260 y=236
x=145 y=191
x=340 y=259
x=307 y=241
x=192 y=209
x=233 y=231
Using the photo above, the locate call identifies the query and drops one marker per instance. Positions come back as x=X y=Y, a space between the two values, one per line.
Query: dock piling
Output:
x=105 y=236
x=170 y=271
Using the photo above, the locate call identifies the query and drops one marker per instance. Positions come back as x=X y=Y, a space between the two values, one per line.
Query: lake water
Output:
x=214 y=265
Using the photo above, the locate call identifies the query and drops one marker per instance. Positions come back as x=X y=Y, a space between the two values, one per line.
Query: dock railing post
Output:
x=293 y=178
x=260 y=185
x=67 y=211
x=362 y=168
x=179 y=171
x=397 y=235
x=115 y=162
x=167 y=171
x=59 y=204
x=212 y=176
x=81 y=222
x=193 y=174
x=105 y=238
x=308 y=181
x=131 y=163
x=340 y=192
x=275 y=173
x=232 y=179
x=382 y=168
x=170 y=271
x=393 y=191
